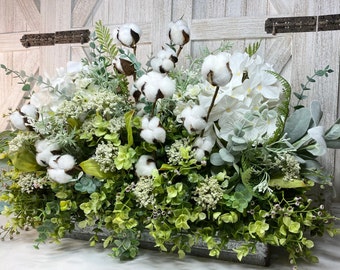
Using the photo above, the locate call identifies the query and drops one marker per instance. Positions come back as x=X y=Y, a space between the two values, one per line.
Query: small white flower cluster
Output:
x=58 y=165
x=22 y=139
x=208 y=193
x=143 y=191
x=28 y=182
x=289 y=166
x=105 y=154
x=180 y=151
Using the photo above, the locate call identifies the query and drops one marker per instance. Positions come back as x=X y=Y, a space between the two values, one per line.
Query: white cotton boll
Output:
x=153 y=123
x=43 y=158
x=151 y=91
x=167 y=86
x=129 y=34
x=156 y=64
x=147 y=135
x=124 y=36
x=145 y=122
x=198 y=111
x=168 y=65
x=29 y=110
x=216 y=70
x=179 y=32
x=115 y=36
x=17 y=120
x=145 y=166
x=66 y=162
x=194 y=124
x=159 y=134
x=186 y=112
x=53 y=162
x=59 y=175
x=46 y=145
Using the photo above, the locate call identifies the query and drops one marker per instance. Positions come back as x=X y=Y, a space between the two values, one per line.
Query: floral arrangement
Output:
x=212 y=152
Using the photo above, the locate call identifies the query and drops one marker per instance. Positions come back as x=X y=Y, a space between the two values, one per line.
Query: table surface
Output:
x=19 y=254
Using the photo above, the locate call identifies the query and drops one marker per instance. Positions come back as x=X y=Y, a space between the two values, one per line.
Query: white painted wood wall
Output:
x=241 y=21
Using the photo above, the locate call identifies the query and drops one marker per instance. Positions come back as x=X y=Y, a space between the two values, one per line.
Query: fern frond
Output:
x=105 y=40
x=283 y=109
x=253 y=48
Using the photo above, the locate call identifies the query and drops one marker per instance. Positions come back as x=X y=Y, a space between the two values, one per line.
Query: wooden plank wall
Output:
x=211 y=21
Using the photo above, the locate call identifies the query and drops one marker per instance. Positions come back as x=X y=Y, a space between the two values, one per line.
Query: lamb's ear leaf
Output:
x=297 y=124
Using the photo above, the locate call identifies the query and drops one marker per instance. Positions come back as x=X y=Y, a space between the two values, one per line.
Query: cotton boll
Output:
x=167 y=86
x=145 y=166
x=159 y=134
x=194 y=124
x=46 y=145
x=151 y=91
x=53 y=162
x=59 y=176
x=147 y=135
x=43 y=158
x=124 y=66
x=179 y=32
x=153 y=123
x=30 y=111
x=129 y=34
x=17 y=120
x=66 y=162
x=151 y=131
x=216 y=70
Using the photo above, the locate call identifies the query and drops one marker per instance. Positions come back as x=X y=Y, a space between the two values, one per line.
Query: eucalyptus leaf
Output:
x=216 y=159
x=316 y=112
x=297 y=124
x=333 y=133
x=226 y=155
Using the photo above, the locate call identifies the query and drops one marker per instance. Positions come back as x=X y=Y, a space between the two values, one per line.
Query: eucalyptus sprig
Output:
x=305 y=87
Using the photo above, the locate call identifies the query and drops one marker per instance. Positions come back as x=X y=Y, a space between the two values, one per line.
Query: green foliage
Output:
x=253 y=48
x=248 y=190
x=305 y=87
x=105 y=40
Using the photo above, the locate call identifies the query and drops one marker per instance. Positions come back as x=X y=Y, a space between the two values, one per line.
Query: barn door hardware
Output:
x=60 y=37
x=302 y=24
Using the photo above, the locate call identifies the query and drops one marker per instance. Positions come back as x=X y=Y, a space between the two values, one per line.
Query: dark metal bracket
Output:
x=60 y=37
x=302 y=24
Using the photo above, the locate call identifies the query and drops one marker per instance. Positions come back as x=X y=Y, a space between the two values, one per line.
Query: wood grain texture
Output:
x=82 y=11
x=30 y=12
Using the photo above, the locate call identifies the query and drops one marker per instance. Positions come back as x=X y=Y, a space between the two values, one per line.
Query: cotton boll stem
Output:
x=212 y=102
